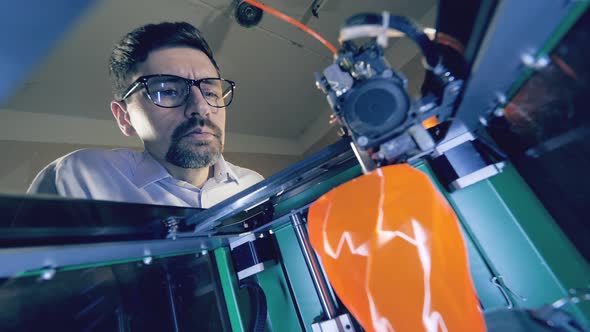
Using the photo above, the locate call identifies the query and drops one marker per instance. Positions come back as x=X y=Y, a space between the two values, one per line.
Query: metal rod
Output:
x=313 y=266
x=289 y=285
x=122 y=321
x=15 y=261
x=171 y=297
x=367 y=164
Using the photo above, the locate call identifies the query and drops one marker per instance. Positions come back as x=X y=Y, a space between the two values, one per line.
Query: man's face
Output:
x=188 y=136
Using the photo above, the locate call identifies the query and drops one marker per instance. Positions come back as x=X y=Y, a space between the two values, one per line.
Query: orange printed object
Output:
x=430 y=122
x=394 y=253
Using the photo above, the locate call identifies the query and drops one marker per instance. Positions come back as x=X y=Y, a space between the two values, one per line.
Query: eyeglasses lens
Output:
x=169 y=91
x=217 y=92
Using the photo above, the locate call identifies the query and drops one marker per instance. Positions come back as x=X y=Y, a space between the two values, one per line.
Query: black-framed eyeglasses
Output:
x=171 y=91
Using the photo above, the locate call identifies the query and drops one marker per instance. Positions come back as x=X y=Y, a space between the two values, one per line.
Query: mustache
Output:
x=194 y=123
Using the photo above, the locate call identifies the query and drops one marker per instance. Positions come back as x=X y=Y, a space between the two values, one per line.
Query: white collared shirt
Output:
x=126 y=175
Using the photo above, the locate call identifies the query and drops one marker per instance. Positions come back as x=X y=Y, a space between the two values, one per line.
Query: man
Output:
x=168 y=91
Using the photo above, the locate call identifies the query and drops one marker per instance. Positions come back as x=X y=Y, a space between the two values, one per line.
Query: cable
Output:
x=372 y=24
x=257 y=302
x=294 y=22
x=350 y=33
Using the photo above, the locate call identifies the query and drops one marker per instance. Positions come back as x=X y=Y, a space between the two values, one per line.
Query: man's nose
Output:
x=196 y=104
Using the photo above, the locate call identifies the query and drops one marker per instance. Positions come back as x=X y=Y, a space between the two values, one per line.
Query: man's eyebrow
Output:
x=209 y=83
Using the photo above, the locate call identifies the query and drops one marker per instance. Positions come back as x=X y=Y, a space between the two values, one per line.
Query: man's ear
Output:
x=120 y=113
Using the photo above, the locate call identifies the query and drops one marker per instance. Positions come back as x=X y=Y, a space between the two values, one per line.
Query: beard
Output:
x=199 y=154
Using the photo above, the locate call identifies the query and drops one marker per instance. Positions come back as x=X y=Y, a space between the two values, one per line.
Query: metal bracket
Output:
x=554 y=316
x=466 y=160
x=498 y=281
x=322 y=288
x=577 y=296
x=367 y=164
x=341 y=323
x=172 y=225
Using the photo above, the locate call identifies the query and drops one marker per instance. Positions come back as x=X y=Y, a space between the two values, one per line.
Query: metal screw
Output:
x=48 y=273
x=341 y=132
x=362 y=141
x=318 y=85
x=531 y=61
x=261 y=236
x=501 y=98
x=389 y=146
x=333 y=119
x=483 y=121
x=387 y=73
x=204 y=252
x=147 y=260
x=542 y=62
x=172 y=224
x=528 y=59
x=321 y=83
x=345 y=64
x=499 y=112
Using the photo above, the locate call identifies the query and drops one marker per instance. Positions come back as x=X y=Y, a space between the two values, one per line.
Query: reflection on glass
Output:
x=170 y=294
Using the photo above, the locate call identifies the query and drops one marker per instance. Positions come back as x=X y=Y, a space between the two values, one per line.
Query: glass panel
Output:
x=28 y=221
x=170 y=294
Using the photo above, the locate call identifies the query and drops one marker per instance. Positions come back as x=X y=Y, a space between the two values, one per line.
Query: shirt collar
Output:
x=149 y=171
x=223 y=172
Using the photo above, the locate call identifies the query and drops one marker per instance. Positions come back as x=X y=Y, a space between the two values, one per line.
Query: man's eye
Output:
x=168 y=93
x=211 y=94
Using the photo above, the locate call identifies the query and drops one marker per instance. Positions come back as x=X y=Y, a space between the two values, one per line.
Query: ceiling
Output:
x=277 y=106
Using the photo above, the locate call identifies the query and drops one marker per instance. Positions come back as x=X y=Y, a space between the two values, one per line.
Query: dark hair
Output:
x=135 y=47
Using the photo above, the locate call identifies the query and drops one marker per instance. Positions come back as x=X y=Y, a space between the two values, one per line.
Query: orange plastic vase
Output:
x=393 y=252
